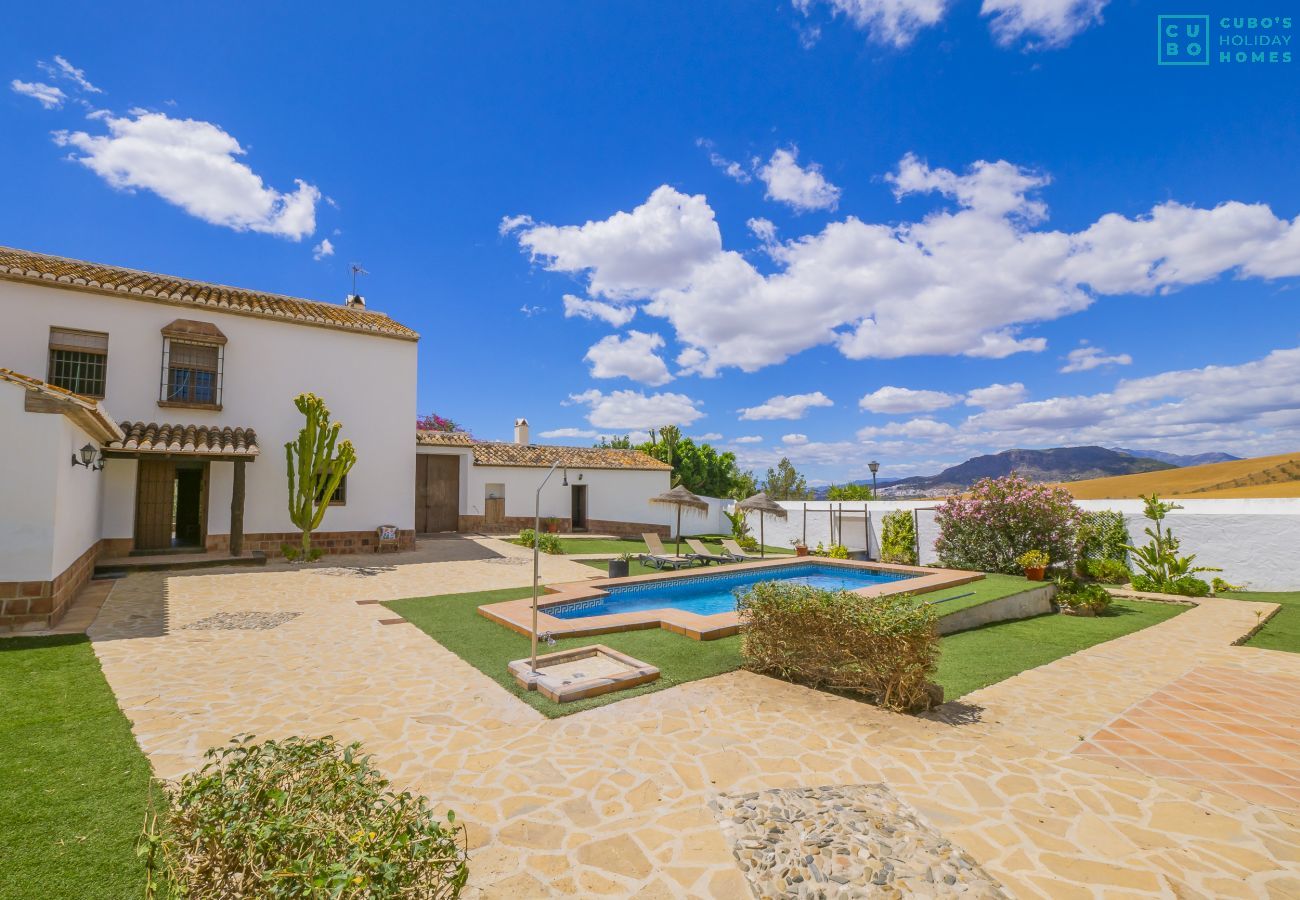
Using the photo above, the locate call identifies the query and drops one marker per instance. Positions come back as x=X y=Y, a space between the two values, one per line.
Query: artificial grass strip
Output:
x=977 y=658
x=73 y=784
x=636 y=546
x=453 y=621
x=1282 y=632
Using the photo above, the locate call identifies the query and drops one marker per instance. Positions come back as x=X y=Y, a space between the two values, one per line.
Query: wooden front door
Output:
x=155 y=497
x=437 y=493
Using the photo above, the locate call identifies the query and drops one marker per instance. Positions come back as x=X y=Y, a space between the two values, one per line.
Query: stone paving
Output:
x=615 y=801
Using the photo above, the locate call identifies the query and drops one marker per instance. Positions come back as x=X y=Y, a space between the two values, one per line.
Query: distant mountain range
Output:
x=1056 y=464
x=1176 y=459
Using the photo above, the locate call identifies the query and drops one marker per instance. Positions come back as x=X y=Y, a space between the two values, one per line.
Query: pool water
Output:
x=716 y=593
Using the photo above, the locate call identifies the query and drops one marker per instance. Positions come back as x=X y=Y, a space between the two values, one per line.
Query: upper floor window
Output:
x=193 y=353
x=78 y=361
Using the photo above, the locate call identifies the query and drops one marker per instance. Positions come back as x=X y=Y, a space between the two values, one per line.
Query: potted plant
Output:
x=618 y=568
x=1034 y=562
x=552 y=525
x=800 y=548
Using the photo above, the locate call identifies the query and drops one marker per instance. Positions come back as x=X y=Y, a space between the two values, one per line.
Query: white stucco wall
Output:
x=1255 y=541
x=49 y=509
x=368 y=382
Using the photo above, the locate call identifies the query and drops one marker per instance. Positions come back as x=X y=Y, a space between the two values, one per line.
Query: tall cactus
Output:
x=314 y=469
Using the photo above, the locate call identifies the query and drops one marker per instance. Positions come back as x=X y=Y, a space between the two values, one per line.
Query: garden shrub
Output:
x=884 y=647
x=748 y=543
x=1163 y=570
x=1082 y=597
x=1184 y=585
x=1107 y=571
x=838 y=551
x=1219 y=586
x=527 y=537
x=298 y=818
x=898 y=538
x=1003 y=518
x=545 y=541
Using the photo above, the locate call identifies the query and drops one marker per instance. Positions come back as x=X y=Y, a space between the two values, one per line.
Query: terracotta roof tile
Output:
x=203 y=440
x=57 y=271
x=85 y=411
x=490 y=453
x=443 y=439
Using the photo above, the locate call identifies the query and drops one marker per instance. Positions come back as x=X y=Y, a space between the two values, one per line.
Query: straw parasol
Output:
x=680 y=497
x=764 y=506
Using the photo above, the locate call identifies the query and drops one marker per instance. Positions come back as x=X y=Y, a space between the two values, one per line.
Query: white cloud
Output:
x=763 y=229
x=803 y=188
x=730 y=167
x=614 y=314
x=891 y=399
x=1081 y=359
x=794 y=439
x=1041 y=23
x=709 y=436
x=323 y=249
x=895 y=22
x=786 y=407
x=532 y=310
x=61 y=68
x=749 y=439
x=913 y=428
x=997 y=396
x=959 y=281
x=656 y=245
x=47 y=95
x=635 y=410
x=632 y=357
x=193 y=165
x=570 y=433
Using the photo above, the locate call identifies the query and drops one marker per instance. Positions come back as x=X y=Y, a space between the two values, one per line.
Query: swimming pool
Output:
x=714 y=593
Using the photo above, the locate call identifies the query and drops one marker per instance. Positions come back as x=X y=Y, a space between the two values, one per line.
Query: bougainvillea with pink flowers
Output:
x=1001 y=518
x=435 y=422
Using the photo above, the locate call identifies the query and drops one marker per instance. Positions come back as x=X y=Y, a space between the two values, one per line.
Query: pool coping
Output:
x=517 y=614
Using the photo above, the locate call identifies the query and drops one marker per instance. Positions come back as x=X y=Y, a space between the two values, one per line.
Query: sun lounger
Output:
x=659 y=558
x=734 y=553
x=702 y=553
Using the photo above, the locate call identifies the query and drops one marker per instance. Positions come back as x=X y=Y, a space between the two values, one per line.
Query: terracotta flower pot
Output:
x=1036 y=573
x=800 y=551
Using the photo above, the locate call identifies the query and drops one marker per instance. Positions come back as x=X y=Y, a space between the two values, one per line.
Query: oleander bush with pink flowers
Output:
x=1002 y=518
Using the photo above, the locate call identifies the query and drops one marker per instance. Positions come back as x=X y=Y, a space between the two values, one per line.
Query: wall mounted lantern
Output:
x=87 y=456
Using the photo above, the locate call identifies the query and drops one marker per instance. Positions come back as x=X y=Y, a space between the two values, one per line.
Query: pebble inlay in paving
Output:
x=833 y=842
x=243 y=621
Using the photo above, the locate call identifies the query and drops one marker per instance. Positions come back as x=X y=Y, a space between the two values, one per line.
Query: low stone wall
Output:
x=516 y=524
x=329 y=542
x=36 y=605
x=1035 y=602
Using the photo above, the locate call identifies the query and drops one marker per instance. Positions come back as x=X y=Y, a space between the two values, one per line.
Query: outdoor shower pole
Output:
x=804 y=539
x=537 y=529
x=866 y=528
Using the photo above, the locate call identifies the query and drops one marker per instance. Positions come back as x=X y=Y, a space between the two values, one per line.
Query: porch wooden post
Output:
x=237 y=511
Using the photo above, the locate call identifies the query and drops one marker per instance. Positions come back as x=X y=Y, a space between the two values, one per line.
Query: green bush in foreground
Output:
x=1081 y=597
x=298 y=818
x=884 y=647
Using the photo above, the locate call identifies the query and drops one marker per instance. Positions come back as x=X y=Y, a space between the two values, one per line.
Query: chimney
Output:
x=355 y=301
x=521 y=431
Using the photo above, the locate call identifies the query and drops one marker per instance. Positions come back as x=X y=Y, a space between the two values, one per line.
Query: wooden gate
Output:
x=155 y=494
x=437 y=493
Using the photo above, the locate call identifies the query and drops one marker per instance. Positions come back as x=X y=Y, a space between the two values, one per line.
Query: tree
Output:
x=615 y=442
x=848 y=492
x=699 y=467
x=315 y=470
x=785 y=483
x=744 y=485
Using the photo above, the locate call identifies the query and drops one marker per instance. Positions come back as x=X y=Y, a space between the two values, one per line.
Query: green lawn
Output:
x=983 y=656
x=1282 y=632
x=454 y=622
x=73 y=783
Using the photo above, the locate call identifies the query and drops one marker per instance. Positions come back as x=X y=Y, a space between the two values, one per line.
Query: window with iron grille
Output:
x=78 y=361
x=340 y=495
x=191 y=373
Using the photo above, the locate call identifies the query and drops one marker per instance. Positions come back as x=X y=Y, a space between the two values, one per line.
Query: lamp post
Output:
x=874 y=467
x=537 y=529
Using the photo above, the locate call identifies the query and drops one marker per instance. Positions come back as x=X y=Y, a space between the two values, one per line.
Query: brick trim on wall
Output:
x=34 y=605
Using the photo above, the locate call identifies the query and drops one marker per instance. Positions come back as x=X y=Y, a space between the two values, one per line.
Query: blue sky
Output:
x=809 y=228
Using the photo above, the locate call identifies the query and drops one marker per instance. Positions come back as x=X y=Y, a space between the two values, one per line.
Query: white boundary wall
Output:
x=1255 y=541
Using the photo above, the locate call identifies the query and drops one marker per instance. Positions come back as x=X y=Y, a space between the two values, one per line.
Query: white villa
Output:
x=147 y=414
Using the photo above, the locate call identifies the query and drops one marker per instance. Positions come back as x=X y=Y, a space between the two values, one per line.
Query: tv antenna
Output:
x=357 y=270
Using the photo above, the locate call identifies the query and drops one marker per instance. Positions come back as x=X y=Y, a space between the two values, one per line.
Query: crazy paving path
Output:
x=615 y=801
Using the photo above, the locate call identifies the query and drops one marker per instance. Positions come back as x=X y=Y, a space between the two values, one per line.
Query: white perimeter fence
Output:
x=1255 y=541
